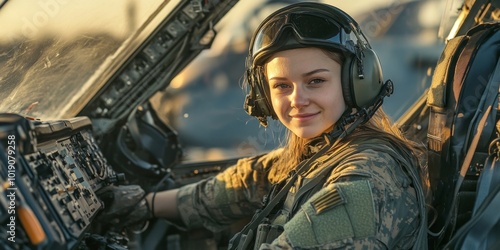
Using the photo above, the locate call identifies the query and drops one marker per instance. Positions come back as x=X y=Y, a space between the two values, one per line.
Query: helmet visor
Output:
x=309 y=29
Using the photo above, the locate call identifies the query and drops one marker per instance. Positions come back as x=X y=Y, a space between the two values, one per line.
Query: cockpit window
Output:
x=51 y=51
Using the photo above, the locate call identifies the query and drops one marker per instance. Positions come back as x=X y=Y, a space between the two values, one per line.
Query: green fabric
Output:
x=437 y=92
x=353 y=219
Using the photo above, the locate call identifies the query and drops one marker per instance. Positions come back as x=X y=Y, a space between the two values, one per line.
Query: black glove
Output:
x=124 y=206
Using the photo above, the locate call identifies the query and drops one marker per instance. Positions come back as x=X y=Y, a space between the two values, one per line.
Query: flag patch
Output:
x=328 y=200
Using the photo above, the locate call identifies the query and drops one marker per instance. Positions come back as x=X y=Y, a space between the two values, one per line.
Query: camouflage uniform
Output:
x=367 y=201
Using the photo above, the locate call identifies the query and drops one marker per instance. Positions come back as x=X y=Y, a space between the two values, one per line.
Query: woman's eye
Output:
x=316 y=81
x=280 y=86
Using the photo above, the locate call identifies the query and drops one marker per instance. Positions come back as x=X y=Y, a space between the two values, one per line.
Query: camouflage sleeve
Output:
x=367 y=203
x=231 y=195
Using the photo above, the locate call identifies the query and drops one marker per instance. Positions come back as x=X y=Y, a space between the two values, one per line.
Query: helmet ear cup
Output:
x=256 y=102
x=360 y=91
x=346 y=81
x=260 y=99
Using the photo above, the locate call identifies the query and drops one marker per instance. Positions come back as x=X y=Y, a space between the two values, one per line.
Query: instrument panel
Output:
x=50 y=174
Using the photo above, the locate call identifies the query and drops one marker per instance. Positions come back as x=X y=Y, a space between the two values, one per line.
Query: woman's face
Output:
x=306 y=91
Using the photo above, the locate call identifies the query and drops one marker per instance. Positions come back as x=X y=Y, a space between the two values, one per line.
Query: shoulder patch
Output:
x=339 y=212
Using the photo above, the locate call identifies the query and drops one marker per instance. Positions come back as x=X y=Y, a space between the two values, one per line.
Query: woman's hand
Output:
x=124 y=206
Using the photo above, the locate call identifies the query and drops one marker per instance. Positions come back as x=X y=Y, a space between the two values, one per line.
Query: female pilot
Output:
x=346 y=177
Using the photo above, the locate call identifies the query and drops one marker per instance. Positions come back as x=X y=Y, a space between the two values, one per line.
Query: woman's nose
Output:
x=299 y=97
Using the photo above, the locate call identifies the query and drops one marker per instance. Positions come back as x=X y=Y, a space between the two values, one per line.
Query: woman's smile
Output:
x=304 y=117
